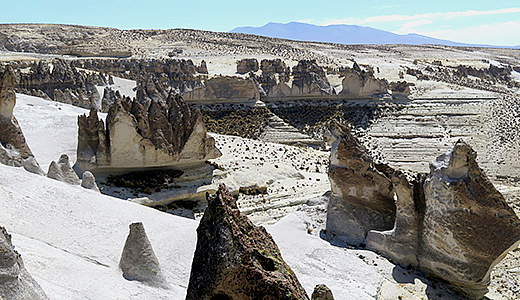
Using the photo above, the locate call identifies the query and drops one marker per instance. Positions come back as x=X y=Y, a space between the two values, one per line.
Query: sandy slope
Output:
x=50 y=128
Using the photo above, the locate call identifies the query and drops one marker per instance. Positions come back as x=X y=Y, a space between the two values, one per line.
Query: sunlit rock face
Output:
x=168 y=133
x=235 y=259
x=451 y=223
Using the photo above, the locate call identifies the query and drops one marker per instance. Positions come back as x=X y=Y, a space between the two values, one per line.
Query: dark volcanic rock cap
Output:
x=235 y=259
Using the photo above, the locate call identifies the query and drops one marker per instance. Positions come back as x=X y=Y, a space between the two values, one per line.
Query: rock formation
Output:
x=224 y=89
x=138 y=261
x=88 y=181
x=400 y=88
x=467 y=225
x=362 y=196
x=322 y=292
x=14 y=150
x=180 y=74
x=247 y=65
x=60 y=81
x=235 y=259
x=163 y=135
x=358 y=82
x=62 y=171
x=308 y=79
x=451 y=223
x=15 y=282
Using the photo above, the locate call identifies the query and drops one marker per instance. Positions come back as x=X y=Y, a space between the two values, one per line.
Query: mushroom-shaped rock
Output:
x=467 y=225
x=62 y=171
x=15 y=282
x=138 y=261
x=322 y=292
x=362 y=198
x=235 y=259
x=88 y=181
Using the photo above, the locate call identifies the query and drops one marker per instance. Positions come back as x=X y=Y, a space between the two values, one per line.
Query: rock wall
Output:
x=134 y=137
x=15 y=282
x=451 y=223
x=235 y=259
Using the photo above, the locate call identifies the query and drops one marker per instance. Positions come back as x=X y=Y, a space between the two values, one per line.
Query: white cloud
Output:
x=502 y=34
x=409 y=26
x=429 y=16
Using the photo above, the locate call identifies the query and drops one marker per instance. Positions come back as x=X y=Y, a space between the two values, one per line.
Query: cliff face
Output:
x=235 y=259
x=165 y=134
x=451 y=223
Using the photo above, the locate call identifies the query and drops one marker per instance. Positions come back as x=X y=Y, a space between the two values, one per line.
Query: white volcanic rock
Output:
x=401 y=242
x=14 y=150
x=467 y=225
x=363 y=83
x=164 y=135
x=362 y=196
x=138 y=261
x=15 y=282
x=88 y=181
x=62 y=171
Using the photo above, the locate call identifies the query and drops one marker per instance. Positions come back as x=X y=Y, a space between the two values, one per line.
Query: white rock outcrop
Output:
x=88 y=181
x=138 y=261
x=62 y=171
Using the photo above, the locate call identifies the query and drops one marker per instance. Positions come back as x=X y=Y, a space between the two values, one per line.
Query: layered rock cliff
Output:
x=164 y=134
x=451 y=223
x=235 y=259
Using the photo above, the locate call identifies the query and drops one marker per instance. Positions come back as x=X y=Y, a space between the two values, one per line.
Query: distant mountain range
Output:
x=346 y=34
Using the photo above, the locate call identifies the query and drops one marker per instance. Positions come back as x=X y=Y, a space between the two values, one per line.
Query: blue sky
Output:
x=477 y=21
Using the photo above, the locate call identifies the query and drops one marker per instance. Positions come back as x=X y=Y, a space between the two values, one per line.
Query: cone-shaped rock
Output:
x=235 y=259
x=138 y=261
x=62 y=171
x=15 y=282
